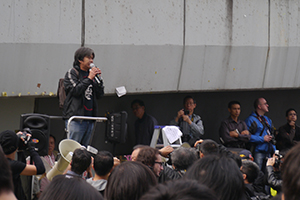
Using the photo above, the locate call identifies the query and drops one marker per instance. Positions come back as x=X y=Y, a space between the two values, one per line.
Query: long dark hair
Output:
x=74 y=188
x=129 y=180
x=221 y=174
x=5 y=174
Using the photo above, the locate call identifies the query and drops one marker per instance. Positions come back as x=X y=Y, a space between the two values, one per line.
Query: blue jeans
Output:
x=80 y=131
x=259 y=159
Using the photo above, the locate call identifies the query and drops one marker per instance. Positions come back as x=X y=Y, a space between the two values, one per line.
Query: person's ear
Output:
x=244 y=176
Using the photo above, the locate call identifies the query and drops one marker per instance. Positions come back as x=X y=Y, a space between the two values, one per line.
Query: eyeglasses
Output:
x=136 y=108
x=160 y=163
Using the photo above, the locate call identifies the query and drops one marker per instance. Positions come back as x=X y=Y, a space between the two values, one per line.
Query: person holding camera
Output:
x=261 y=129
x=11 y=142
x=273 y=170
x=190 y=124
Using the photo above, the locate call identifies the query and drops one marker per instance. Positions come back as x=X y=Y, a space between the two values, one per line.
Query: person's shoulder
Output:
x=251 y=117
x=16 y=166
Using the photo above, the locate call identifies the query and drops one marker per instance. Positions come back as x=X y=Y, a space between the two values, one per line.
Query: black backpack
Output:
x=61 y=93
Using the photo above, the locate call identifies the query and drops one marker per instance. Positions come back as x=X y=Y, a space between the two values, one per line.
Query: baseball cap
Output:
x=9 y=141
x=245 y=154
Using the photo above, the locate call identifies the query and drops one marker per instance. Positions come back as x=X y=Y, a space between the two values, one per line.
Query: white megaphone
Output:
x=66 y=148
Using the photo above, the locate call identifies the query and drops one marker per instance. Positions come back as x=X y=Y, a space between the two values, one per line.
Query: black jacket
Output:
x=75 y=86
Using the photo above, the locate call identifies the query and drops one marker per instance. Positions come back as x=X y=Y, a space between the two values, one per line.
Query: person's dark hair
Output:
x=180 y=190
x=139 y=146
x=183 y=158
x=53 y=137
x=256 y=102
x=251 y=170
x=291 y=174
x=289 y=110
x=81 y=160
x=129 y=180
x=5 y=174
x=103 y=163
x=188 y=97
x=208 y=147
x=147 y=156
x=221 y=174
x=74 y=188
x=235 y=157
x=137 y=101
x=233 y=103
x=81 y=53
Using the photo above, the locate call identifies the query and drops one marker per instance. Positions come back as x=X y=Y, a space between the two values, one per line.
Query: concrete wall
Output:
x=151 y=46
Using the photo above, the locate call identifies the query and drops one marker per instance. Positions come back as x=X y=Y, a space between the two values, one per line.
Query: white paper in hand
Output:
x=173 y=133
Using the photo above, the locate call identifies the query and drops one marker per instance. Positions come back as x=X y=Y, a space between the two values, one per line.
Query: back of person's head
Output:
x=250 y=169
x=180 y=190
x=81 y=53
x=81 y=160
x=209 y=147
x=5 y=174
x=103 y=163
x=129 y=180
x=74 y=188
x=291 y=174
x=221 y=174
x=147 y=156
x=9 y=141
x=183 y=158
x=233 y=103
x=137 y=101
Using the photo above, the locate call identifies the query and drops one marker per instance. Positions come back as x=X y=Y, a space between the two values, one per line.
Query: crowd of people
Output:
x=206 y=171
x=245 y=166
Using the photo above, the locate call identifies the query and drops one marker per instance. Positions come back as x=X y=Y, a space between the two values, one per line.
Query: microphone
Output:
x=98 y=78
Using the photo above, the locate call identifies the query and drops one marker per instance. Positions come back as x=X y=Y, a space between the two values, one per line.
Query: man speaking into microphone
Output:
x=83 y=86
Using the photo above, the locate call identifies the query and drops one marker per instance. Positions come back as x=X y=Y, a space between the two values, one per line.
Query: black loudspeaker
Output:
x=116 y=127
x=40 y=127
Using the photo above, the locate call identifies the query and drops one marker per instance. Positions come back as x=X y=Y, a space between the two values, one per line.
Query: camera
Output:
x=277 y=159
x=24 y=138
x=186 y=112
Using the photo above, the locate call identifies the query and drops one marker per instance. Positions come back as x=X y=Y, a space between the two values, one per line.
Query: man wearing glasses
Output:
x=262 y=132
x=190 y=124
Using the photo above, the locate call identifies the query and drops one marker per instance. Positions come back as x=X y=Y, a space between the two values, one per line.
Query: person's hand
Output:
x=116 y=162
x=187 y=119
x=165 y=151
x=21 y=133
x=267 y=138
x=233 y=134
x=245 y=132
x=198 y=142
x=271 y=161
x=180 y=113
x=292 y=124
x=93 y=72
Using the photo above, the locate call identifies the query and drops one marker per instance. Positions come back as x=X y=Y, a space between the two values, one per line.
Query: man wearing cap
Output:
x=10 y=143
x=259 y=182
x=233 y=131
